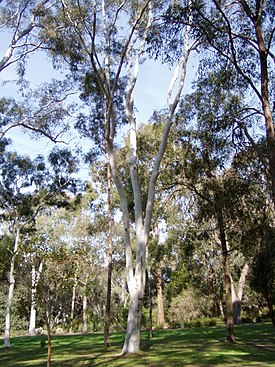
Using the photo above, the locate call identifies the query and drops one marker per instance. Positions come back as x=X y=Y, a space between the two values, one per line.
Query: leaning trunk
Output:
x=7 y=343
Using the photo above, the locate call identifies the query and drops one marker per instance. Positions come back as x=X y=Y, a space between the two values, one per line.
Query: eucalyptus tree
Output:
x=240 y=35
x=20 y=24
x=103 y=43
x=214 y=141
x=45 y=111
x=26 y=188
x=21 y=20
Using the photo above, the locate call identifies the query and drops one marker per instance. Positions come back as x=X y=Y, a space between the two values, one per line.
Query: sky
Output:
x=150 y=93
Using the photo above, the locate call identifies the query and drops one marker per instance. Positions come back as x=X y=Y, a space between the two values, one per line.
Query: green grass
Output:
x=255 y=346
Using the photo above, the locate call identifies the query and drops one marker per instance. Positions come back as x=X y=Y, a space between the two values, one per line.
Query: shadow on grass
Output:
x=255 y=346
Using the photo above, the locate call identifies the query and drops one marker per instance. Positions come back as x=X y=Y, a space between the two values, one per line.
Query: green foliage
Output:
x=189 y=305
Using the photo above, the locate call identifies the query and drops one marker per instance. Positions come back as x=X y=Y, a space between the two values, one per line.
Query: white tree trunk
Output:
x=136 y=278
x=7 y=343
x=237 y=295
x=35 y=278
x=132 y=339
x=85 y=319
x=133 y=50
x=84 y=308
x=73 y=303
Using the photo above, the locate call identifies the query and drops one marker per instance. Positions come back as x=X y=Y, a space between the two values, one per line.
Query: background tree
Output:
x=239 y=35
x=262 y=276
x=24 y=192
x=53 y=288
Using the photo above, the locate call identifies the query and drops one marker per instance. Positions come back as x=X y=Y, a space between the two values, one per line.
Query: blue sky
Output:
x=150 y=93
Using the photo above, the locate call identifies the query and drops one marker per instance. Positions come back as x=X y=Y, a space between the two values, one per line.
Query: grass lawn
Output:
x=255 y=346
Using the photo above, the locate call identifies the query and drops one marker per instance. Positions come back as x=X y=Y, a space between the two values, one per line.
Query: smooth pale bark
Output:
x=160 y=309
x=221 y=309
x=20 y=45
x=84 y=311
x=7 y=343
x=73 y=303
x=133 y=49
x=35 y=275
x=136 y=278
x=237 y=295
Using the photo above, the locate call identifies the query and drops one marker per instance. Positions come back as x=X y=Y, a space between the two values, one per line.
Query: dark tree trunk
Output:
x=150 y=303
x=227 y=281
x=48 y=325
x=110 y=264
x=271 y=312
x=270 y=136
x=256 y=18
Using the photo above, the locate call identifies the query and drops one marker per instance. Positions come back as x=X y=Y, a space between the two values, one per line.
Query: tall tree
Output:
x=101 y=40
x=240 y=35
